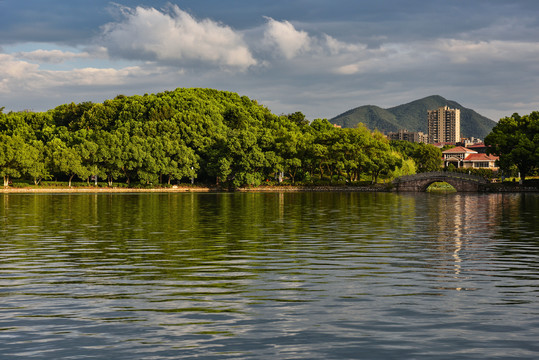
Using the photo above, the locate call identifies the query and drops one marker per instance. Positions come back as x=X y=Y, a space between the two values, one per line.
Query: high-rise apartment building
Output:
x=444 y=125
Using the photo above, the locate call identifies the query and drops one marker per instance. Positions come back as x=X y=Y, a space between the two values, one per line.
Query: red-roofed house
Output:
x=480 y=148
x=462 y=157
x=482 y=161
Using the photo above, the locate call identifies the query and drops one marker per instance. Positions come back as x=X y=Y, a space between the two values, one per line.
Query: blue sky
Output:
x=318 y=57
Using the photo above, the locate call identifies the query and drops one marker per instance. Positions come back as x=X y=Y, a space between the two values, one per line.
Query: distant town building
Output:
x=411 y=136
x=462 y=157
x=441 y=145
x=467 y=142
x=443 y=125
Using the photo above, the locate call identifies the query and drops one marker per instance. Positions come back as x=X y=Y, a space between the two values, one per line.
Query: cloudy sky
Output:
x=315 y=56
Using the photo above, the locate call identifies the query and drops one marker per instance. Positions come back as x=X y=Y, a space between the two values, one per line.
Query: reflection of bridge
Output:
x=461 y=182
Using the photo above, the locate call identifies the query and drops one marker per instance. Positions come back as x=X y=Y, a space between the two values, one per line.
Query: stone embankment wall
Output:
x=316 y=189
x=497 y=188
x=177 y=189
x=102 y=190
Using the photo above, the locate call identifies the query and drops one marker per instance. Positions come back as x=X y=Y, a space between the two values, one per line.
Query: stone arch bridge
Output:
x=461 y=182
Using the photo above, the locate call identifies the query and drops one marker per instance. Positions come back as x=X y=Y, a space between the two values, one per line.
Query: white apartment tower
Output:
x=444 y=125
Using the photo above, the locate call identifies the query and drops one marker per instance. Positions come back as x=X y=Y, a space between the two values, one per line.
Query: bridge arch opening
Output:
x=450 y=182
x=440 y=187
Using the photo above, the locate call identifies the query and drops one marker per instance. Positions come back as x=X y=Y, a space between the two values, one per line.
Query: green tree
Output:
x=427 y=157
x=323 y=152
x=515 y=140
x=354 y=151
x=88 y=149
x=70 y=115
x=285 y=145
x=19 y=158
x=382 y=158
x=298 y=118
x=64 y=157
x=11 y=162
x=179 y=161
x=293 y=150
x=109 y=152
x=35 y=161
x=408 y=167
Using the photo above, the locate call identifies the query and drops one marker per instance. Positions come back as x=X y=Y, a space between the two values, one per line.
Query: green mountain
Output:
x=413 y=117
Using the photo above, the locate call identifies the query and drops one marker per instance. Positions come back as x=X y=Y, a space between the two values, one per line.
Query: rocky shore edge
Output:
x=207 y=189
x=198 y=189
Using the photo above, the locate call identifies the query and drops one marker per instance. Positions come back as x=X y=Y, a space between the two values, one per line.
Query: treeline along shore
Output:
x=187 y=135
x=202 y=136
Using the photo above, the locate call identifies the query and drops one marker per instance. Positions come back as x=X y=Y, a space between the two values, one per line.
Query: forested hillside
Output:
x=213 y=136
x=413 y=117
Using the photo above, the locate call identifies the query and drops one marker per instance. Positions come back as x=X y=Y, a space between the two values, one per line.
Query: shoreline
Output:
x=185 y=189
x=102 y=190
x=208 y=189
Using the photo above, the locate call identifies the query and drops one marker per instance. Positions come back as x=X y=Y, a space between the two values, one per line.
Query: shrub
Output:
x=485 y=173
x=19 y=185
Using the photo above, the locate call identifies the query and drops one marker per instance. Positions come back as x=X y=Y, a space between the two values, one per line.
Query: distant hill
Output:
x=413 y=117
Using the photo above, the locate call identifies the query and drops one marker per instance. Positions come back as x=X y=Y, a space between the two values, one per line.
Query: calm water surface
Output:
x=269 y=276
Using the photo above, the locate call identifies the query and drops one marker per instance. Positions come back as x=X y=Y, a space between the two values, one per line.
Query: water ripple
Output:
x=241 y=276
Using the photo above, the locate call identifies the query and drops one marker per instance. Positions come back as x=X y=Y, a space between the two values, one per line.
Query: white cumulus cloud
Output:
x=284 y=36
x=466 y=51
x=175 y=36
x=10 y=67
x=19 y=76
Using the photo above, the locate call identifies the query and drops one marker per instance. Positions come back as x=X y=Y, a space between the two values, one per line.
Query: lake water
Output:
x=269 y=276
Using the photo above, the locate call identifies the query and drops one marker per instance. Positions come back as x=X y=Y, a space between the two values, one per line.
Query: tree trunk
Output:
x=522 y=176
x=126 y=176
x=293 y=175
x=321 y=171
x=71 y=178
x=6 y=180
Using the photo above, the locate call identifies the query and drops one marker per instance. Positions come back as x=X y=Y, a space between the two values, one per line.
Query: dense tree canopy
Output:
x=515 y=140
x=204 y=134
x=426 y=157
